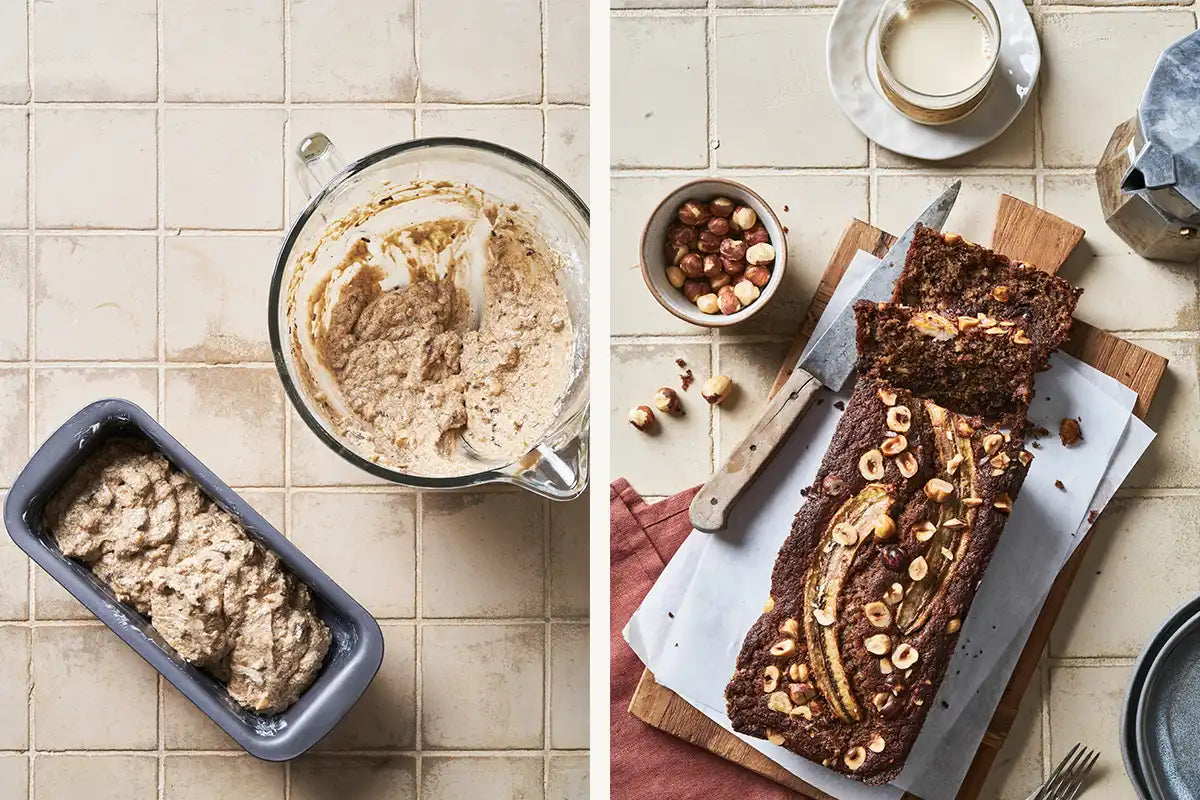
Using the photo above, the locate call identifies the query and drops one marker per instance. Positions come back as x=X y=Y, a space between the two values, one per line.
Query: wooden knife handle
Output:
x=710 y=508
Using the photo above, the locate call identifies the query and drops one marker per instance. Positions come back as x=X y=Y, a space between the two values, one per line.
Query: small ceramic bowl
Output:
x=654 y=260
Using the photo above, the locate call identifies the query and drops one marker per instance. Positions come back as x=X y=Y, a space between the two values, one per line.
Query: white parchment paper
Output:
x=690 y=627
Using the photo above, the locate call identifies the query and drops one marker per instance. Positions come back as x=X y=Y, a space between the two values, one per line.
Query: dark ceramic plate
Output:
x=1167 y=725
x=354 y=654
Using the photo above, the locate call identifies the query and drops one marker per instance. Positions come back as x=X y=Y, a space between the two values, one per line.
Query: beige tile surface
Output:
x=503 y=671
x=14 y=776
x=231 y=418
x=15 y=681
x=568 y=778
x=247 y=38
x=385 y=717
x=450 y=779
x=95 y=297
x=325 y=778
x=1012 y=148
x=14 y=297
x=220 y=168
x=1017 y=770
x=95 y=50
x=664 y=122
x=211 y=312
x=1088 y=87
x=753 y=367
x=794 y=122
x=568 y=686
x=1173 y=415
x=222 y=778
x=1085 y=706
x=121 y=688
x=138 y=231
x=351 y=51
x=108 y=777
x=1122 y=555
x=492 y=55
x=503 y=533
x=118 y=156
x=378 y=569
x=14 y=155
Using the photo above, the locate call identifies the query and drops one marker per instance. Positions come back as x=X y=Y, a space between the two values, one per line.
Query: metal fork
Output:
x=1066 y=781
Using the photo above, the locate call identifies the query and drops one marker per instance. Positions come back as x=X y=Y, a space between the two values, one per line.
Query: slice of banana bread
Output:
x=870 y=588
x=945 y=271
x=974 y=364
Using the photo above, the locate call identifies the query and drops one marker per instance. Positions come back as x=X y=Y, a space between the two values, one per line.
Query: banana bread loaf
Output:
x=870 y=588
x=976 y=365
x=945 y=271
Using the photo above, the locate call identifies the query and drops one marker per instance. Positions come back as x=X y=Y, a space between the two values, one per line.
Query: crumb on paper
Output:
x=1069 y=432
x=1036 y=445
x=839 y=405
x=1038 y=432
x=1059 y=485
x=1092 y=516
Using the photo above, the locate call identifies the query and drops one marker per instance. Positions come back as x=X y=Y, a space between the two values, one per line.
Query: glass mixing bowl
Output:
x=556 y=467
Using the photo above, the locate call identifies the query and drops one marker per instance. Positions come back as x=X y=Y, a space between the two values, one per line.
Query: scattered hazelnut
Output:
x=732 y=268
x=756 y=235
x=746 y=292
x=845 y=534
x=695 y=288
x=992 y=443
x=880 y=699
x=709 y=242
x=744 y=217
x=954 y=463
x=855 y=757
x=995 y=331
x=953 y=625
x=775 y=738
x=885 y=528
x=721 y=207
x=905 y=656
x=716 y=389
x=1003 y=503
x=692 y=265
x=770 y=679
x=641 y=418
x=769 y=606
x=760 y=254
x=878 y=645
x=951 y=238
x=876 y=744
x=894 y=445
x=801 y=692
x=779 y=701
x=899 y=419
x=682 y=235
x=878 y=614
x=972 y=502
x=954 y=523
x=784 y=647
x=1025 y=457
x=947 y=553
x=678 y=254
x=802 y=711
x=733 y=249
x=870 y=465
x=727 y=299
x=893 y=594
x=823 y=617
x=693 y=213
x=718 y=226
x=924 y=531
x=966 y=323
x=1020 y=338
x=717 y=281
x=707 y=303
x=759 y=276
x=798 y=672
x=675 y=277
x=1000 y=461
x=887 y=396
x=711 y=265
x=917 y=570
x=790 y=627
x=832 y=485
x=1000 y=293
x=938 y=490
x=666 y=400
x=885 y=666
x=906 y=462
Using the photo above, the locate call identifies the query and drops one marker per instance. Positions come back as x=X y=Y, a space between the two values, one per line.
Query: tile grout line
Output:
x=713 y=336
x=242 y=105
x=548 y=664
x=286 y=9
x=545 y=102
x=31 y=396
x=161 y=345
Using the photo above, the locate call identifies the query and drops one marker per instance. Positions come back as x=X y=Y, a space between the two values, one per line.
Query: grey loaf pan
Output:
x=354 y=654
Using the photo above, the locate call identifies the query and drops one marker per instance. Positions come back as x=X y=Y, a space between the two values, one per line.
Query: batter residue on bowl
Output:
x=415 y=380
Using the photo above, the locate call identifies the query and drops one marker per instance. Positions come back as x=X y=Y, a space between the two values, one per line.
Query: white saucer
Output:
x=850 y=61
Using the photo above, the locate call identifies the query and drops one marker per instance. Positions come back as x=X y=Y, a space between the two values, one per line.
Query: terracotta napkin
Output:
x=647 y=763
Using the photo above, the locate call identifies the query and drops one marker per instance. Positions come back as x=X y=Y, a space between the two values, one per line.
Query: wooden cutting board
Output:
x=1024 y=233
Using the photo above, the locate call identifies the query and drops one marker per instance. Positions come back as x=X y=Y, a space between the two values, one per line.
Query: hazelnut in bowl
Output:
x=713 y=252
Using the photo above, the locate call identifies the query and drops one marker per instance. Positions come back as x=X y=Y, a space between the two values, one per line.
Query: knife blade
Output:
x=828 y=363
x=832 y=357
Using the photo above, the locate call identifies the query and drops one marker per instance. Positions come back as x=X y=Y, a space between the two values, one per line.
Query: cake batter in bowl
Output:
x=429 y=315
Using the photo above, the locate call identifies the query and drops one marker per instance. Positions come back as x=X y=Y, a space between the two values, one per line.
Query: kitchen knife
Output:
x=827 y=364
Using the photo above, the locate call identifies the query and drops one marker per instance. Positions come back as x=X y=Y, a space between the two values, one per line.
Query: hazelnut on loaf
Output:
x=945 y=271
x=870 y=588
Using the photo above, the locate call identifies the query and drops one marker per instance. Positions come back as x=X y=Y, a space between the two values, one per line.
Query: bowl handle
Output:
x=319 y=161
x=558 y=468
